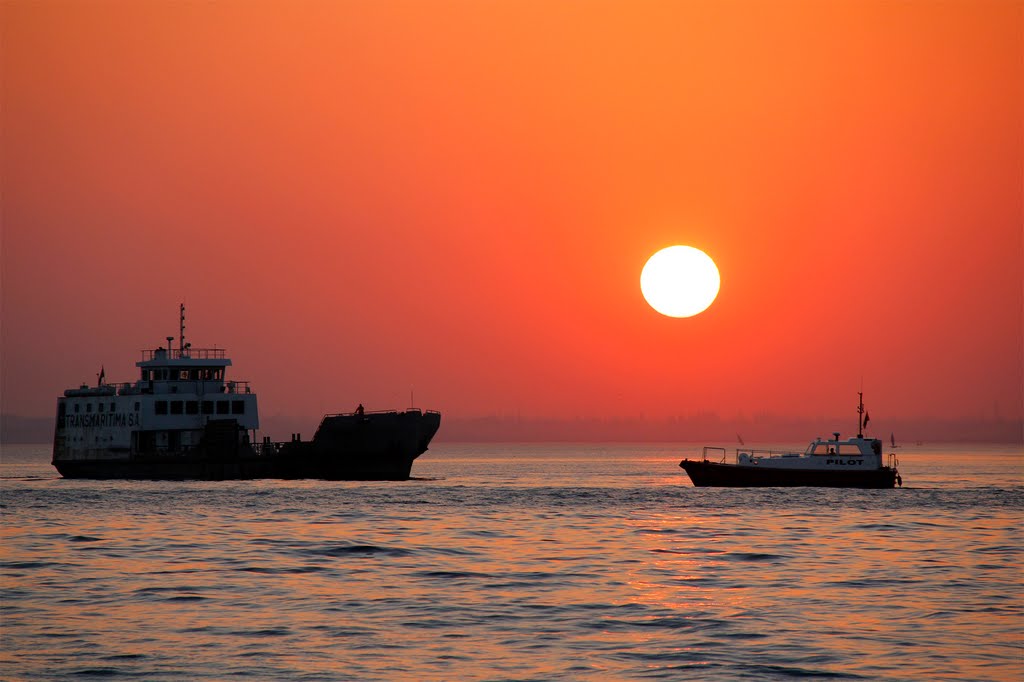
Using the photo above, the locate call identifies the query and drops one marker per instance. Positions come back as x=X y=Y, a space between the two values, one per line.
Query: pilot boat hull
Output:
x=704 y=473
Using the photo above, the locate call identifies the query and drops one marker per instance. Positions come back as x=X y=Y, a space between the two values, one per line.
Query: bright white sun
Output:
x=680 y=281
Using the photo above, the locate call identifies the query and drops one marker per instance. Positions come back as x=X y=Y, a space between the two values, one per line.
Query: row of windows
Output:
x=193 y=374
x=199 y=406
x=99 y=407
x=844 y=449
x=174 y=407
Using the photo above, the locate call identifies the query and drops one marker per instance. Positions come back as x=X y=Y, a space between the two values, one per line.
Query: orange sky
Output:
x=362 y=198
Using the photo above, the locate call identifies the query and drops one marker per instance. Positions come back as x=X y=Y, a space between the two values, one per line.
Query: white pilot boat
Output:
x=183 y=419
x=855 y=462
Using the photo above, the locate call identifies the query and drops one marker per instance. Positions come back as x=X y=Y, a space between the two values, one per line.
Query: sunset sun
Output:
x=680 y=281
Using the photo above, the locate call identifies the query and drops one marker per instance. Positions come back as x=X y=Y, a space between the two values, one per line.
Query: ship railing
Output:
x=103 y=389
x=766 y=453
x=267 y=448
x=237 y=387
x=714 y=451
x=184 y=354
x=722 y=454
x=357 y=413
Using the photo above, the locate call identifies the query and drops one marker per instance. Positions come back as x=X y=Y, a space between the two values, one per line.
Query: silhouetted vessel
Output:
x=852 y=463
x=183 y=420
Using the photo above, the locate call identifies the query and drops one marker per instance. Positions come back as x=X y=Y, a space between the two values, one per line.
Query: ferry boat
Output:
x=851 y=463
x=184 y=419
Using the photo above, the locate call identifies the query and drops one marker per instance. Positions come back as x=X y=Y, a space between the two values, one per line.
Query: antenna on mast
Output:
x=860 y=414
x=181 y=331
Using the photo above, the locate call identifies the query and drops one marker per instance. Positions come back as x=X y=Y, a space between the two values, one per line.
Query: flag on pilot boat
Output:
x=867 y=418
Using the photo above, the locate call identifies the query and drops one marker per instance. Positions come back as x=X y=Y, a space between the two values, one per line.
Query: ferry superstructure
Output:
x=184 y=419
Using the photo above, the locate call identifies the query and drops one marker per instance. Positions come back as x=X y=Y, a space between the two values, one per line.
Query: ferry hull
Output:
x=712 y=474
x=214 y=468
x=377 y=446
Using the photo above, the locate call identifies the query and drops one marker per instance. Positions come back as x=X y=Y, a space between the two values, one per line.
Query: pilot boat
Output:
x=184 y=419
x=855 y=462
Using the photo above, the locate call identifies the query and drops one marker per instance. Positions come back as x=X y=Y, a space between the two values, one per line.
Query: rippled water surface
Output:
x=525 y=562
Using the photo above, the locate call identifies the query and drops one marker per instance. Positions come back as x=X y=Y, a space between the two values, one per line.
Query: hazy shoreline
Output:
x=695 y=428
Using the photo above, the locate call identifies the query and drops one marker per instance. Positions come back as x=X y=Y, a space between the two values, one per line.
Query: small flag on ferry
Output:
x=103 y=374
x=867 y=418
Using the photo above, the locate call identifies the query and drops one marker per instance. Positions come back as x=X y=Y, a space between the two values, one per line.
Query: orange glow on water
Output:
x=541 y=561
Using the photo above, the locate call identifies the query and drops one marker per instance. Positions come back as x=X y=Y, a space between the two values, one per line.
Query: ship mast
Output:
x=181 y=332
x=860 y=414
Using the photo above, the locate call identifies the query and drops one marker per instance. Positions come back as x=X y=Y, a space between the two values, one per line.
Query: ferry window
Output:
x=205 y=374
x=183 y=375
x=160 y=407
x=237 y=407
x=192 y=407
x=111 y=407
x=218 y=373
x=99 y=408
x=88 y=407
x=222 y=407
x=176 y=407
x=77 y=408
x=136 y=407
x=207 y=407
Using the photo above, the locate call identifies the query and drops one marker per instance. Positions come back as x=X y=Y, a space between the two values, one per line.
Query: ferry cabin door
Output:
x=143 y=441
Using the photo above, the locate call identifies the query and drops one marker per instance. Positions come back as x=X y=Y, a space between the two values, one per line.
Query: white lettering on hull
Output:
x=95 y=421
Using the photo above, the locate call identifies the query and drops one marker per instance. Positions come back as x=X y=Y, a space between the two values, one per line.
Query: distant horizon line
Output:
x=706 y=426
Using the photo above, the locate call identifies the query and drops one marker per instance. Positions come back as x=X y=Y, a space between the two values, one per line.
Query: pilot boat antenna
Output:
x=860 y=414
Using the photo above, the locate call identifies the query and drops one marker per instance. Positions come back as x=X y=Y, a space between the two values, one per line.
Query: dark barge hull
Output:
x=704 y=473
x=379 y=446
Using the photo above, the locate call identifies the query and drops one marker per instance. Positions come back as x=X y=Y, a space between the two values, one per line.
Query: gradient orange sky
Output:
x=359 y=199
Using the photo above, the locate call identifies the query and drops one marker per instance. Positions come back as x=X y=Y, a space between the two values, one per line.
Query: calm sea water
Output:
x=524 y=562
